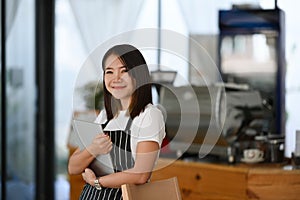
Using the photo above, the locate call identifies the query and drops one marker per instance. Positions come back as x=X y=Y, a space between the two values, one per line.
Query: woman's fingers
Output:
x=100 y=145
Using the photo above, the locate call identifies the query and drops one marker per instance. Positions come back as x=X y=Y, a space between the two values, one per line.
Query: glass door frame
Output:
x=45 y=69
x=44 y=95
x=3 y=101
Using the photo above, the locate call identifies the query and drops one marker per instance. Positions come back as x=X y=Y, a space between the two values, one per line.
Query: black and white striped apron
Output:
x=122 y=160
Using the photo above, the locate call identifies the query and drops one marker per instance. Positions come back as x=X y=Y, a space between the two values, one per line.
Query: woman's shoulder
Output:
x=153 y=110
x=149 y=123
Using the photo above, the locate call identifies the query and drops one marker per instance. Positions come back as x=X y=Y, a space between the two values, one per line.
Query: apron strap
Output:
x=104 y=125
x=128 y=126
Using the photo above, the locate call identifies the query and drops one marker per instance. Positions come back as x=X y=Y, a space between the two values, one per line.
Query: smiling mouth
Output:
x=118 y=87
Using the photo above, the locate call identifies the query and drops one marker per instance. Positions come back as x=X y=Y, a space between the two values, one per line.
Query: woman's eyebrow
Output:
x=111 y=68
x=106 y=68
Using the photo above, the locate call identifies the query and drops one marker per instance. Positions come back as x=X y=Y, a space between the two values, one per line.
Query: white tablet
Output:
x=86 y=132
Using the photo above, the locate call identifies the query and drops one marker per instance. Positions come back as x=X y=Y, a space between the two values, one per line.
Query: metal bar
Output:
x=45 y=154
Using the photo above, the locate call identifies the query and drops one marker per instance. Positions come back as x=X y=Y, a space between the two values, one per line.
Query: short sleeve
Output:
x=151 y=125
x=101 y=118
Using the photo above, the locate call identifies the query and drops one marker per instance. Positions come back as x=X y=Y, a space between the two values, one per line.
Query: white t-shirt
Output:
x=148 y=126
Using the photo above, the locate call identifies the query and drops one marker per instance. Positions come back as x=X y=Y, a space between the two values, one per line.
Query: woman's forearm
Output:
x=78 y=161
x=146 y=156
x=115 y=180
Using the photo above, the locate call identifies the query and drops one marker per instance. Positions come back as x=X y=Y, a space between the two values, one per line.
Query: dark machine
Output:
x=252 y=51
x=248 y=110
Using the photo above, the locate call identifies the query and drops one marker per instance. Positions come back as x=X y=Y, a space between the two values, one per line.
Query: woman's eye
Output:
x=108 y=72
x=124 y=70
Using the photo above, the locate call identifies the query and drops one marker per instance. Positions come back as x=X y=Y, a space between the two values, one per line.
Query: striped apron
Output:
x=122 y=160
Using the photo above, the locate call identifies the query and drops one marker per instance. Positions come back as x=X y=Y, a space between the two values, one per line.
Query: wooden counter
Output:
x=221 y=181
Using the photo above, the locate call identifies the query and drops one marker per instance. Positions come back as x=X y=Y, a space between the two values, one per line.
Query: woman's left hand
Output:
x=89 y=176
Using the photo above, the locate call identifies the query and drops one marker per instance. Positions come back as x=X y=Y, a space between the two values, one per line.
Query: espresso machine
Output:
x=251 y=51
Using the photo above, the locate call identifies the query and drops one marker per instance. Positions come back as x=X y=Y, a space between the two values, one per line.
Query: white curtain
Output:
x=11 y=11
x=98 y=20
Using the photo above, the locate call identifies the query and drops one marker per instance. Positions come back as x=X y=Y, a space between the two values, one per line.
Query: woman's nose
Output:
x=117 y=76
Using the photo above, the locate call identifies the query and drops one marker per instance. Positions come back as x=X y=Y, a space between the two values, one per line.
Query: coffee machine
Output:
x=251 y=50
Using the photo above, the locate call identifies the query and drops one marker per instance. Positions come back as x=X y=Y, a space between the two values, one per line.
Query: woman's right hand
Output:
x=100 y=145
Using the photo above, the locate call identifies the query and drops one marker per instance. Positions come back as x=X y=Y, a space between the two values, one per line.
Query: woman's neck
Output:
x=125 y=104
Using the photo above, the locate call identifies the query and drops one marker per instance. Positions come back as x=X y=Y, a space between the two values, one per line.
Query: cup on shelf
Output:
x=253 y=155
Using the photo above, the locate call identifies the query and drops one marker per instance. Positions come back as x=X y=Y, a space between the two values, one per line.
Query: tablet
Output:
x=86 y=132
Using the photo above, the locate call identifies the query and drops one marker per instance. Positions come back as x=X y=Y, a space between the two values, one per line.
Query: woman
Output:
x=134 y=128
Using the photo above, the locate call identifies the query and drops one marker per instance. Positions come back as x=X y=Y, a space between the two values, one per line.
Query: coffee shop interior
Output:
x=224 y=73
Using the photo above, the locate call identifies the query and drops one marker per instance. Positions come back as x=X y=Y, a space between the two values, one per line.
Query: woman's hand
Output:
x=100 y=145
x=89 y=176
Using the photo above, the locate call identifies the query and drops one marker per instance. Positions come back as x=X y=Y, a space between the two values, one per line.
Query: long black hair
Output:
x=138 y=69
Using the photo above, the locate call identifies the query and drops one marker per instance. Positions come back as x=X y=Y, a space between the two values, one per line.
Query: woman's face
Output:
x=118 y=81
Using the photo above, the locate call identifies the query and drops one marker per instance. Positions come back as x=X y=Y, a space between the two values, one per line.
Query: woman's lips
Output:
x=118 y=87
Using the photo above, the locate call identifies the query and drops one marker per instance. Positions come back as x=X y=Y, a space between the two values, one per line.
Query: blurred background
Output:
x=78 y=27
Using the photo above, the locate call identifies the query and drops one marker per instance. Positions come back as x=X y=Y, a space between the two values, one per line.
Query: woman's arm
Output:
x=147 y=152
x=80 y=160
